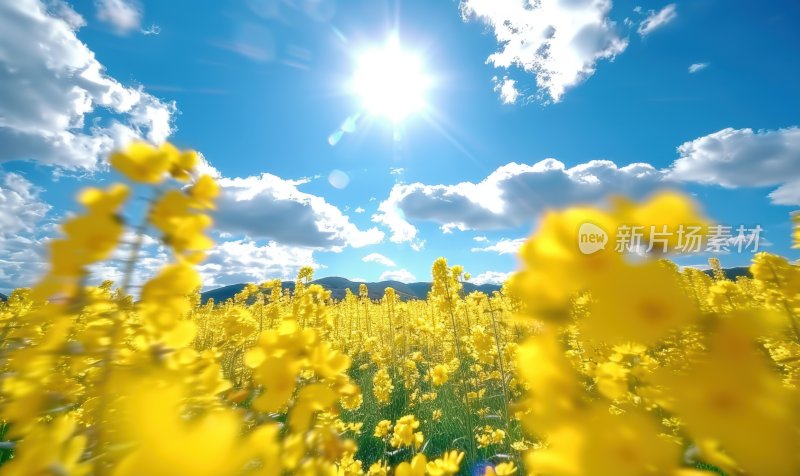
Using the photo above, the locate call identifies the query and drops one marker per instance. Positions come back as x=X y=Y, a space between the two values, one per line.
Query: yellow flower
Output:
x=148 y=420
x=104 y=202
x=382 y=428
x=379 y=468
x=172 y=285
x=382 y=386
x=404 y=433
x=665 y=210
x=502 y=469
x=328 y=362
x=440 y=374
x=172 y=206
x=310 y=399
x=555 y=268
x=598 y=442
x=141 y=162
x=50 y=449
x=448 y=464
x=182 y=163
x=611 y=379
x=638 y=304
x=731 y=395
x=549 y=379
x=183 y=228
x=415 y=468
x=204 y=191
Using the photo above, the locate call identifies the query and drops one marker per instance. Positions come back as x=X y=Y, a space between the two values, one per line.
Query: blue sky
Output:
x=259 y=86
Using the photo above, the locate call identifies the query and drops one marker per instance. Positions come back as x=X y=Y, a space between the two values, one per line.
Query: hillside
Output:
x=338 y=286
x=732 y=273
x=3 y=297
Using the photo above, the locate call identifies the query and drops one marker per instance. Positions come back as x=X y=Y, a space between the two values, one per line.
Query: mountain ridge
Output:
x=338 y=286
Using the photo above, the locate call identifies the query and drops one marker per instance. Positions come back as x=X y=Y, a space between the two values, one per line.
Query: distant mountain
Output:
x=338 y=286
x=732 y=273
x=3 y=297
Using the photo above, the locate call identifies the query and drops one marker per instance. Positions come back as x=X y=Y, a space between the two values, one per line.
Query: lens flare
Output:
x=338 y=179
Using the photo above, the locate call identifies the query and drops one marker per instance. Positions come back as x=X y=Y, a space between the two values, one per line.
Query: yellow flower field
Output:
x=596 y=364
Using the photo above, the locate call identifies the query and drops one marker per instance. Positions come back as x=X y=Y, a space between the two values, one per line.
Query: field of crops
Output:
x=584 y=364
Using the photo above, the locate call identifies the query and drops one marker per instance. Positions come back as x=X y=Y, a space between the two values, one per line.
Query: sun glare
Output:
x=390 y=82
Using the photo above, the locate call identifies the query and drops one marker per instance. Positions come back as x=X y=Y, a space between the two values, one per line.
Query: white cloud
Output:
x=396 y=170
x=125 y=16
x=656 y=20
x=787 y=194
x=401 y=275
x=512 y=195
x=744 y=158
x=515 y=194
x=152 y=30
x=490 y=277
x=358 y=280
x=559 y=41
x=26 y=226
x=20 y=206
x=60 y=9
x=246 y=261
x=359 y=210
x=480 y=239
x=378 y=258
x=448 y=228
x=503 y=247
x=150 y=258
x=507 y=88
x=269 y=207
x=59 y=105
x=697 y=67
x=22 y=217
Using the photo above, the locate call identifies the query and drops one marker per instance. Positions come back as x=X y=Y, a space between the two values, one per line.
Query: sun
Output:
x=390 y=82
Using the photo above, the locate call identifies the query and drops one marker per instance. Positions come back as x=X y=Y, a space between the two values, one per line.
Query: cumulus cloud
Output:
x=229 y=262
x=378 y=258
x=402 y=275
x=23 y=216
x=21 y=209
x=247 y=261
x=480 y=239
x=505 y=246
x=59 y=105
x=61 y=9
x=26 y=226
x=744 y=158
x=559 y=41
x=269 y=207
x=510 y=196
x=507 y=88
x=657 y=19
x=125 y=16
x=150 y=258
x=514 y=194
x=490 y=277
x=697 y=67
x=359 y=210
